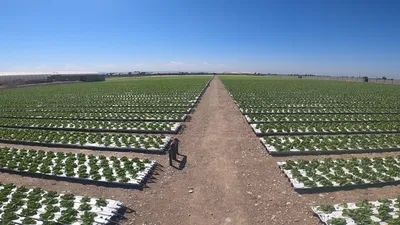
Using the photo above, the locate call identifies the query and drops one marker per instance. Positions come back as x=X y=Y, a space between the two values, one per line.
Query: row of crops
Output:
x=20 y=205
x=136 y=115
x=310 y=117
x=331 y=144
x=276 y=107
x=88 y=114
x=307 y=174
x=94 y=125
x=291 y=118
x=128 y=171
x=110 y=109
x=288 y=111
x=263 y=129
x=101 y=141
x=384 y=211
x=96 y=116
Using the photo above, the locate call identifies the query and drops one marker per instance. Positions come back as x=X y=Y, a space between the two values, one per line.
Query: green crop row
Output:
x=113 y=92
x=82 y=139
x=89 y=124
x=116 y=104
x=276 y=118
x=259 y=103
x=283 y=92
x=95 y=116
x=319 y=111
x=20 y=205
x=381 y=212
x=332 y=142
x=305 y=174
x=326 y=127
x=88 y=167
x=98 y=110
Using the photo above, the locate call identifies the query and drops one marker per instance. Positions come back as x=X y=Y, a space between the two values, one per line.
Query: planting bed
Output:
x=165 y=92
x=318 y=111
x=121 y=104
x=329 y=144
x=381 y=212
x=169 y=117
x=116 y=142
x=93 y=125
x=98 y=169
x=276 y=106
x=336 y=104
x=68 y=115
x=98 y=110
x=20 y=205
x=325 y=128
x=113 y=99
x=274 y=92
x=312 y=175
x=292 y=118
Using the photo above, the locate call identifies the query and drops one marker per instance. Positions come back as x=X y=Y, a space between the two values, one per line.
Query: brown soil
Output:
x=229 y=178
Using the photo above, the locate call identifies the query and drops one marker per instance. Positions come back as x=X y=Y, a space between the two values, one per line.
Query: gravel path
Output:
x=228 y=179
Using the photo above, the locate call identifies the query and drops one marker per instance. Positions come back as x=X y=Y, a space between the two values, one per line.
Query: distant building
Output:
x=22 y=77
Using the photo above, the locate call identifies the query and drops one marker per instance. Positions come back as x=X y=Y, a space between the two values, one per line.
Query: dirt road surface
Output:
x=229 y=178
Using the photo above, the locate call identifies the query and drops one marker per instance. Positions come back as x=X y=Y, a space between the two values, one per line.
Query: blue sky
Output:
x=320 y=37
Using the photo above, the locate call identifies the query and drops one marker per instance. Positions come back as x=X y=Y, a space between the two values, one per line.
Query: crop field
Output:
x=87 y=115
x=128 y=171
x=300 y=108
x=331 y=144
x=315 y=174
x=21 y=205
x=384 y=211
x=293 y=116
x=95 y=153
x=118 y=115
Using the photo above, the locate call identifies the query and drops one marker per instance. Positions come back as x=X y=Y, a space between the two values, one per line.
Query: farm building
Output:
x=22 y=77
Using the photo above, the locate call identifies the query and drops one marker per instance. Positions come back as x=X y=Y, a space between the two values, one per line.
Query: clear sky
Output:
x=332 y=37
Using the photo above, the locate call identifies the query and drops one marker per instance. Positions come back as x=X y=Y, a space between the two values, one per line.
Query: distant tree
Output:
x=384 y=78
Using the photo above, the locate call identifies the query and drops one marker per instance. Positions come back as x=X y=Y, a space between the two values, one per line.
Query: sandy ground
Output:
x=229 y=178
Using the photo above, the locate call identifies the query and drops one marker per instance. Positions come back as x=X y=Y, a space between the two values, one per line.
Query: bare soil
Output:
x=229 y=178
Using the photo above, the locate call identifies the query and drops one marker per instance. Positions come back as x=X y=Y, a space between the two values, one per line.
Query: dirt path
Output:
x=228 y=170
x=232 y=178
